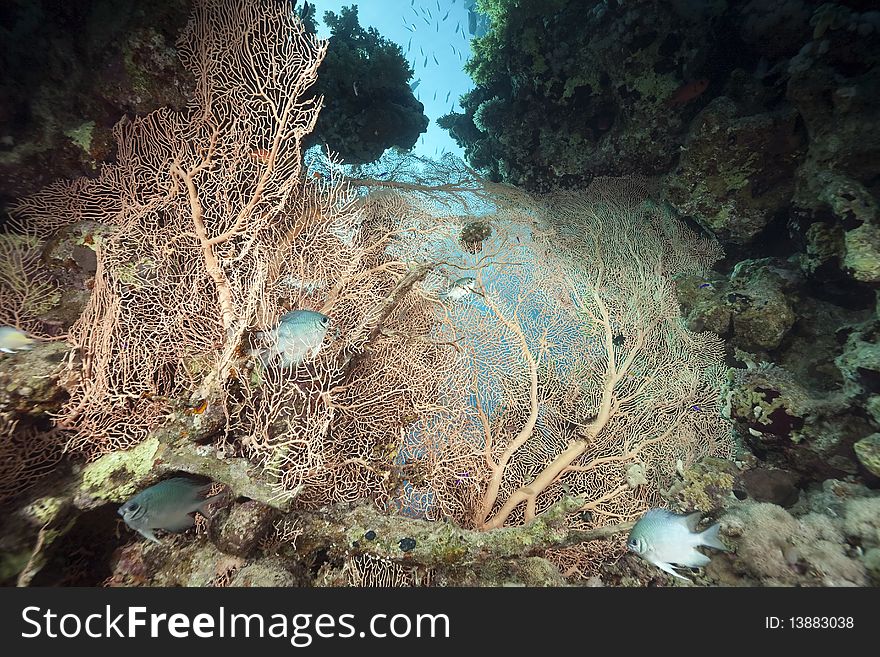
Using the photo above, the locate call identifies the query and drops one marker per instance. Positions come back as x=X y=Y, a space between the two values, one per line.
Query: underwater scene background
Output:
x=439 y=293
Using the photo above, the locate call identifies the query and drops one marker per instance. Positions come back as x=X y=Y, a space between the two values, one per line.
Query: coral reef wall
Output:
x=758 y=119
x=70 y=70
x=369 y=105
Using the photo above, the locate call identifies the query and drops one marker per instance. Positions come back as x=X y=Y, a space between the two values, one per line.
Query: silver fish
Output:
x=306 y=286
x=168 y=505
x=298 y=336
x=460 y=289
x=13 y=340
x=663 y=538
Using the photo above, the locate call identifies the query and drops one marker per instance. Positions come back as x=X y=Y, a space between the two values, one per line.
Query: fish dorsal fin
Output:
x=693 y=519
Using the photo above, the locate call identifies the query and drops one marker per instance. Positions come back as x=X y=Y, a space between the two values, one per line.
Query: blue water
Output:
x=441 y=82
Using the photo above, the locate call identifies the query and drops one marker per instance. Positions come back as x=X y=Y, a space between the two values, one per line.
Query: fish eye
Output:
x=324 y=320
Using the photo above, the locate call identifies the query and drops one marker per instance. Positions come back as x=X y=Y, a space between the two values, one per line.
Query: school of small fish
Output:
x=426 y=15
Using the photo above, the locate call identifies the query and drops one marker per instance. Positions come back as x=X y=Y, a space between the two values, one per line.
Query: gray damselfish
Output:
x=460 y=289
x=298 y=336
x=13 y=340
x=663 y=538
x=168 y=505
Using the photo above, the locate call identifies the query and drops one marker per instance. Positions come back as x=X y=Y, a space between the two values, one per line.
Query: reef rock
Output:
x=242 y=530
x=827 y=539
x=735 y=174
x=787 y=426
x=588 y=89
x=868 y=453
x=754 y=309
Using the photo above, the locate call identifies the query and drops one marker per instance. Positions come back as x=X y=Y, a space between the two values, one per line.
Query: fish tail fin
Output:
x=710 y=538
x=203 y=506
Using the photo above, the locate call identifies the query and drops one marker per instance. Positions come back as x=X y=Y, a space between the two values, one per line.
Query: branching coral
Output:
x=201 y=198
x=568 y=368
x=26 y=289
x=575 y=367
x=26 y=456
